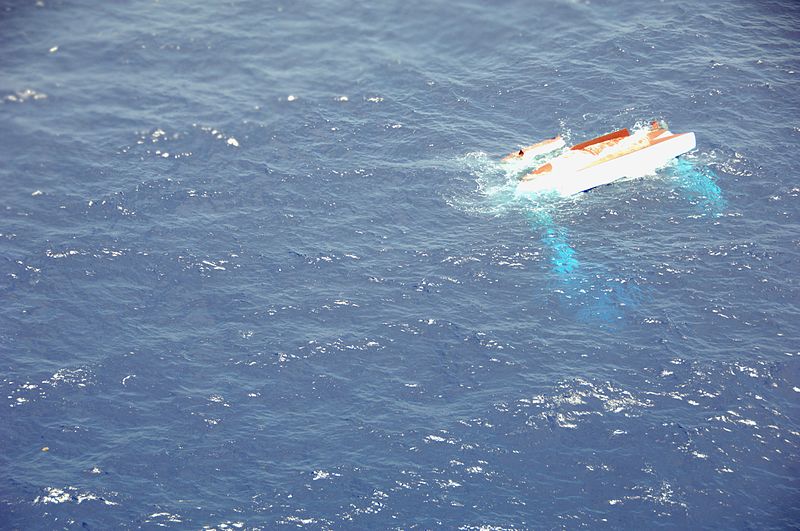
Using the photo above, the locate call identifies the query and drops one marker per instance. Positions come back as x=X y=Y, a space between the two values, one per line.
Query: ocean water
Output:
x=261 y=268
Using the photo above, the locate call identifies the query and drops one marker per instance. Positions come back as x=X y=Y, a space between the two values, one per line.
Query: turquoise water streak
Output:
x=590 y=290
x=698 y=183
x=555 y=240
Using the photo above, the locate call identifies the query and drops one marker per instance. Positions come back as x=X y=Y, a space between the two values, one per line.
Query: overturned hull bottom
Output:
x=639 y=163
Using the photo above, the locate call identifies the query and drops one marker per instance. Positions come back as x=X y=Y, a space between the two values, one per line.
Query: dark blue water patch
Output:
x=259 y=268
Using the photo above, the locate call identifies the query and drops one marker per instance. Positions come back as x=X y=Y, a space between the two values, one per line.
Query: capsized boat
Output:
x=606 y=159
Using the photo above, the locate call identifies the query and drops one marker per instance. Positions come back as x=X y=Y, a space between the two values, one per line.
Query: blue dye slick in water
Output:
x=260 y=267
x=700 y=187
x=555 y=239
x=599 y=303
x=697 y=185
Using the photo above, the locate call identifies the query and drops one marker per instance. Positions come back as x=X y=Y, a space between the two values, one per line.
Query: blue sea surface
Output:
x=261 y=268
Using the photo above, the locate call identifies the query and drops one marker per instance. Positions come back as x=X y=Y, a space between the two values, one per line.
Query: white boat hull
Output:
x=574 y=176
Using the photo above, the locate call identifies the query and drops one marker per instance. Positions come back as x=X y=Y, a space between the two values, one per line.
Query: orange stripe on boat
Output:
x=632 y=150
x=622 y=133
x=544 y=168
